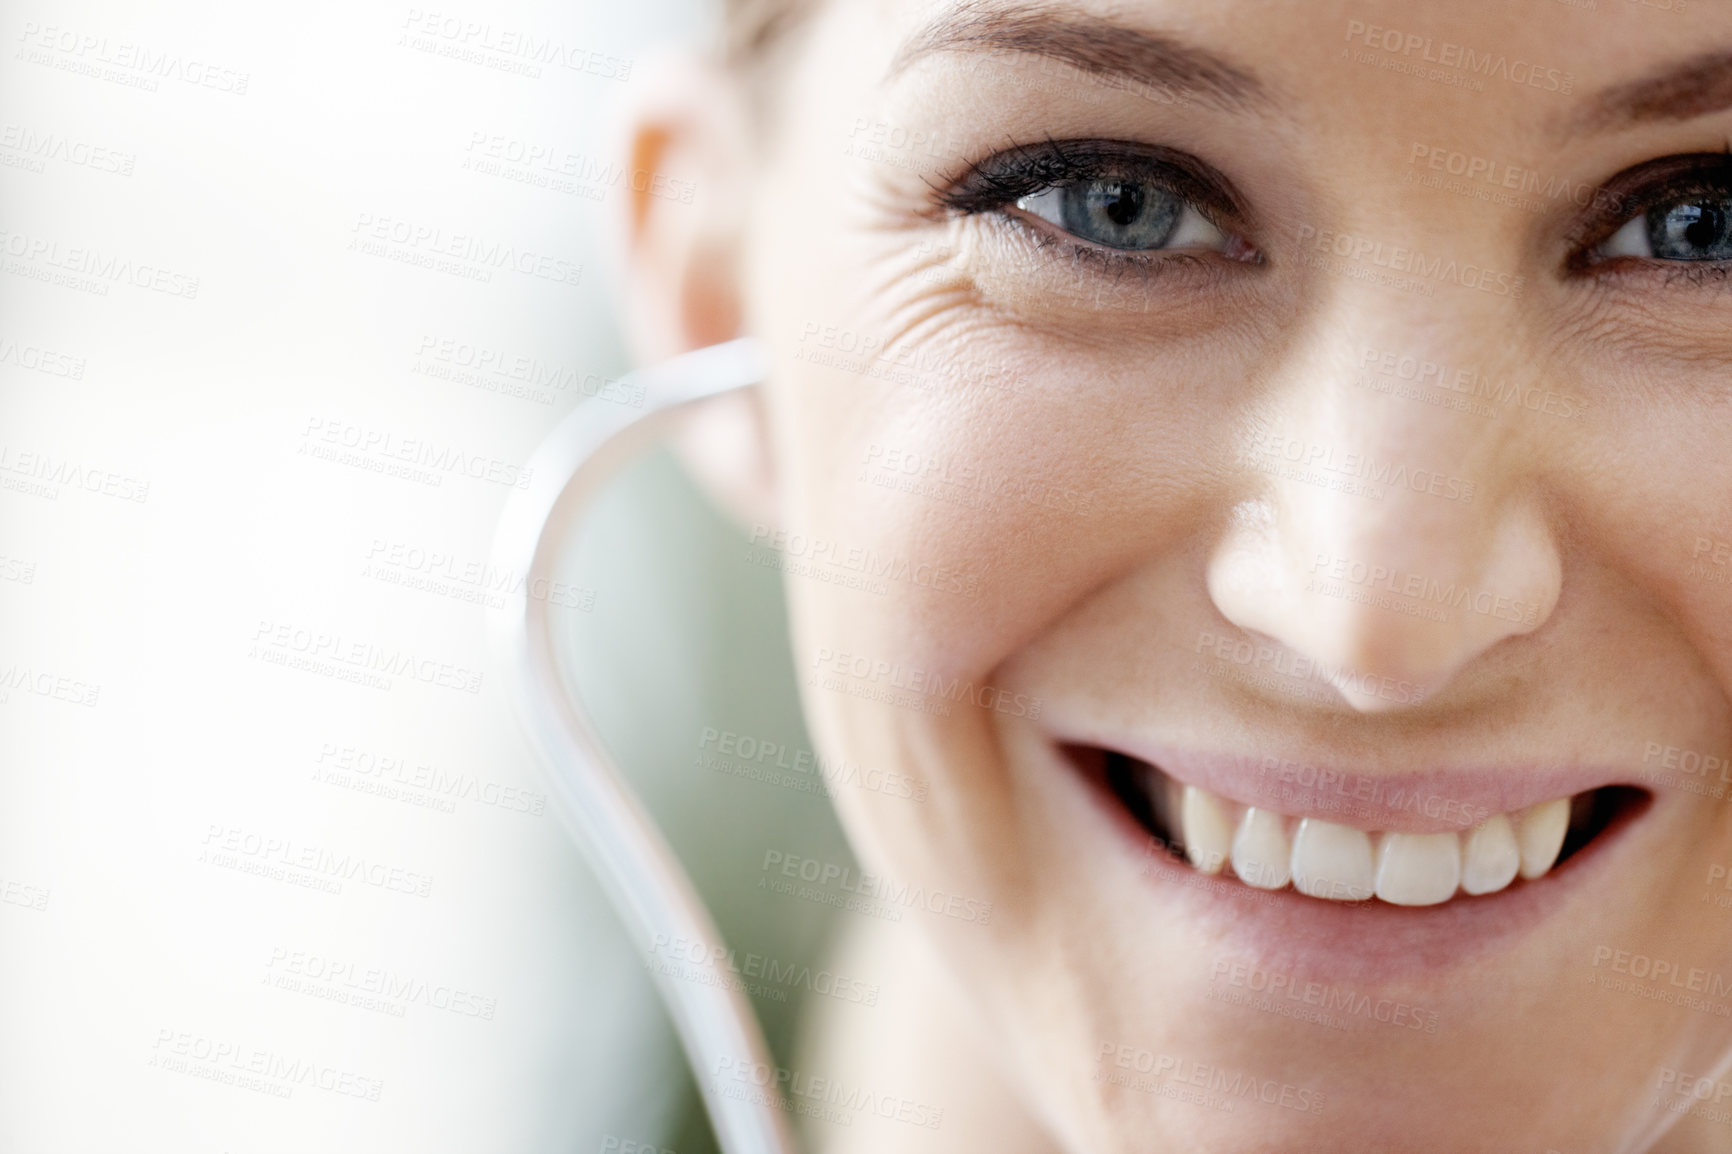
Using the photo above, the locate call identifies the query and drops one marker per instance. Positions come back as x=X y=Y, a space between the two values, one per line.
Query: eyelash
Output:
x=997 y=183
x=994 y=185
x=1635 y=192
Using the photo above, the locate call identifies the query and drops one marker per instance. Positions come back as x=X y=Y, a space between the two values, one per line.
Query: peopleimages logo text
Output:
x=925 y=682
x=876 y=887
x=1461 y=57
x=1401 y=259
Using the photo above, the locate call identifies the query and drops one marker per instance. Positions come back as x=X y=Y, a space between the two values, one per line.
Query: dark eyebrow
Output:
x=1096 y=46
x=1678 y=91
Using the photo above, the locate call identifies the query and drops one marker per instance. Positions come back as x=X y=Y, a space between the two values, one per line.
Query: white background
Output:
x=155 y=751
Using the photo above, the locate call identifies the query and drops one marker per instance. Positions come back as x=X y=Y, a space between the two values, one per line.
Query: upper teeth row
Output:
x=1327 y=860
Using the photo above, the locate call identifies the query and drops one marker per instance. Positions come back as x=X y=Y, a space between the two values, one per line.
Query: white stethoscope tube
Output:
x=638 y=869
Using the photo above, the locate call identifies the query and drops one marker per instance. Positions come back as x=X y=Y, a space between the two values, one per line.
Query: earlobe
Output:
x=690 y=159
x=725 y=446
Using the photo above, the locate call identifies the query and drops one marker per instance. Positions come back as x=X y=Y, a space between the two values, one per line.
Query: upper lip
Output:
x=1425 y=800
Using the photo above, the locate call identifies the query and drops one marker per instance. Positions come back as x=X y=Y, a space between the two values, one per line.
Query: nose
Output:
x=1385 y=537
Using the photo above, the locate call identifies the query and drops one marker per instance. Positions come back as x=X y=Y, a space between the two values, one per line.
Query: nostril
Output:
x=1393 y=602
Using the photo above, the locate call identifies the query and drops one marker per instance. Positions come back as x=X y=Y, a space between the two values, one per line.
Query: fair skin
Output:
x=1174 y=433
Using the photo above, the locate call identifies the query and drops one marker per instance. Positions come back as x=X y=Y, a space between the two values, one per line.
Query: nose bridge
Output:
x=1386 y=530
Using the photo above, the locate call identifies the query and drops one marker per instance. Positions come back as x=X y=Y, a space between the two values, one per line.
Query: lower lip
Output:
x=1371 y=942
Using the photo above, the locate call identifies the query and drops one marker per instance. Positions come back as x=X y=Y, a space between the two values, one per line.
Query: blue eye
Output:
x=1125 y=214
x=1688 y=230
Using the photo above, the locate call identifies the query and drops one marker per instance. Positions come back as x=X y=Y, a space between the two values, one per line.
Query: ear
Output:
x=691 y=154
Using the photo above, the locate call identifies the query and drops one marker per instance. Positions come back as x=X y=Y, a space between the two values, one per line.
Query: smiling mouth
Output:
x=1324 y=859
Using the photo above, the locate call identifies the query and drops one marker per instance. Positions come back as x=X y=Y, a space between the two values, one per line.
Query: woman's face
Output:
x=1326 y=407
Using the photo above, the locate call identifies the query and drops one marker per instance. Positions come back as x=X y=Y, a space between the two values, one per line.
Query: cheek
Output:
x=950 y=520
x=934 y=534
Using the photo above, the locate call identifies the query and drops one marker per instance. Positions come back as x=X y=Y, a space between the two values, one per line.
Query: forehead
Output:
x=1556 y=68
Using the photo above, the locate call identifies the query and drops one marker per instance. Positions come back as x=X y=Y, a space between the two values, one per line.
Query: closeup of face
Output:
x=1288 y=447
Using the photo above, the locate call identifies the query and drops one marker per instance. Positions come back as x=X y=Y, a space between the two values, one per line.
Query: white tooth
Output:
x=1418 y=869
x=1491 y=857
x=1207 y=833
x=1541 y=830
x=1261 y=851
x=1332 y=861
